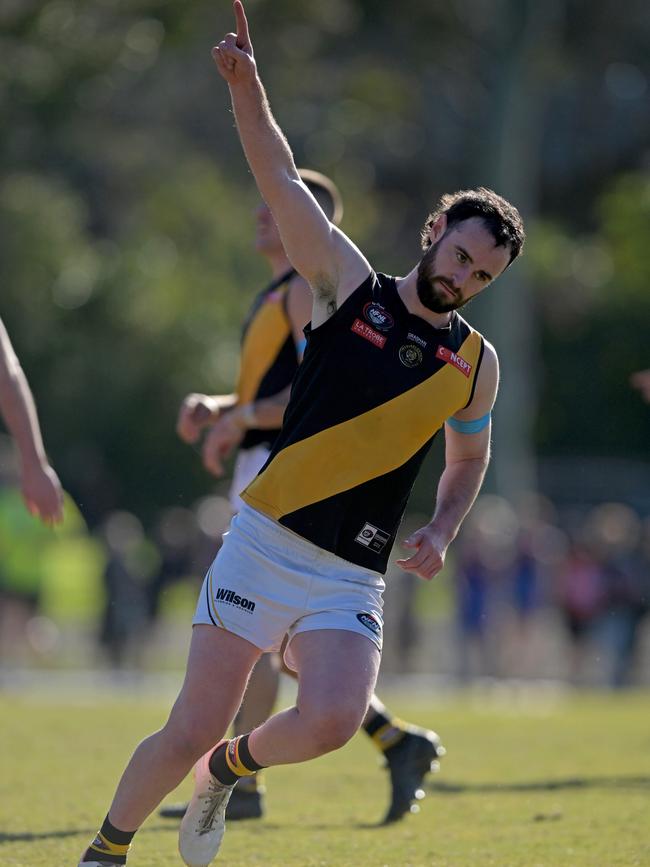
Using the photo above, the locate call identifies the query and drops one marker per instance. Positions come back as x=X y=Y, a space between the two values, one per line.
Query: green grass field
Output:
x=540 y=782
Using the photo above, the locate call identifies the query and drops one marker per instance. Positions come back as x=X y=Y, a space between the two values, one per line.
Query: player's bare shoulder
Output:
x=487 y=379
x=490 y=362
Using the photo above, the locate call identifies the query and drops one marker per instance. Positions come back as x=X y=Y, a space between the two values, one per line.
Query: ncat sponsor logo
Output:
x=450 y=357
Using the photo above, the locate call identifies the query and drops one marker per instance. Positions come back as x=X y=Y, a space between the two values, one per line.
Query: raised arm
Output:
x=467 y=454
x=326 y=258
x=41 y=487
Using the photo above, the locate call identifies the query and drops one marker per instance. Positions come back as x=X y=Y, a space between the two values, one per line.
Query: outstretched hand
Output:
x=233 y=56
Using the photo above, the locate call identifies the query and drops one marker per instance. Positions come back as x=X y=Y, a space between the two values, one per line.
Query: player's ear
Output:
x=438 y=228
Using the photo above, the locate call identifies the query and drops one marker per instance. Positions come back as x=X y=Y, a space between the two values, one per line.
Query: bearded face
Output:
x=437 y=292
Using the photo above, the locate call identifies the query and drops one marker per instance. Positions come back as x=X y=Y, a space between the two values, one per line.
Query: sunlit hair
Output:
x=325 y=192
x=501 y=218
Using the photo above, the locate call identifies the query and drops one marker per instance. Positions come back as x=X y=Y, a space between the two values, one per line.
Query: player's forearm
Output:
x=264 y=414
x=19 y=413
x=458 y=488
x=265 y=146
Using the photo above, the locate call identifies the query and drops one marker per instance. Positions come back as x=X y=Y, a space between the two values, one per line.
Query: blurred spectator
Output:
x=131 y=562
x=176 y=535
x=580 y=589
x=618 y=533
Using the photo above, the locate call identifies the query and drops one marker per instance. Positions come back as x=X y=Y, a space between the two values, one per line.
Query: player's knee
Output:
x=333 y=728
x=191 y=735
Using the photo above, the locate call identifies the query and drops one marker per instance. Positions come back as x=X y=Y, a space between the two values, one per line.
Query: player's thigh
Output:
x=337 y=670
x=218 y=667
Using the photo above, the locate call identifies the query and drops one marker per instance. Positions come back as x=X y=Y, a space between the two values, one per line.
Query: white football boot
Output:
x=204 y=822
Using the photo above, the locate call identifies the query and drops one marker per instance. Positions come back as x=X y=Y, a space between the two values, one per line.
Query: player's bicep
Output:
x=467 y=432
x=465 y=446
x=321 y=253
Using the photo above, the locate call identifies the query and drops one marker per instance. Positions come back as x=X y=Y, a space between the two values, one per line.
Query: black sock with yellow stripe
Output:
x=110 y=845
x=385 y=730
x=232 y=760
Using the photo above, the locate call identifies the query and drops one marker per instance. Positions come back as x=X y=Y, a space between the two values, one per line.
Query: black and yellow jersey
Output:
x=375 y=386
x=268 y=358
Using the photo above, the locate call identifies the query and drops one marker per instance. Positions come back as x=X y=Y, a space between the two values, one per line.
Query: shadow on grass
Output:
x=445 y=787
x=34 y=836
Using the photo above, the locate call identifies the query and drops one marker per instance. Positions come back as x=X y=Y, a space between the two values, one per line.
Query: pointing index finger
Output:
x=243 y=37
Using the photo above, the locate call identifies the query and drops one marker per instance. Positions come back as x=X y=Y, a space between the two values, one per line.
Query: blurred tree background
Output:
x=126 y=212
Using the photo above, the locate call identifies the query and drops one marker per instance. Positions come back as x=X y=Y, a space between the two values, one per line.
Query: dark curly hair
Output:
x=500 y=217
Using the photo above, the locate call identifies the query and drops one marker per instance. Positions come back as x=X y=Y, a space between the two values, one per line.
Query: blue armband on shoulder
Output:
x=301 y=345
x=470 y=427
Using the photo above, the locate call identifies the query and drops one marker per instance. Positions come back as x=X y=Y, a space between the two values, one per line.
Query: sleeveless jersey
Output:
x=375 y=385
x=268 y=357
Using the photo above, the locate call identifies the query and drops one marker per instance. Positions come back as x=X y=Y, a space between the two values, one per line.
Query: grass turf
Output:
x=527 y=782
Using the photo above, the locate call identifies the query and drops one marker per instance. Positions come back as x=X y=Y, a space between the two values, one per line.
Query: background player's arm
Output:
x=299 y=310
x=327 y=259
x=265 y=413
x=41 y=487
x=466 y=459
x=198 y=411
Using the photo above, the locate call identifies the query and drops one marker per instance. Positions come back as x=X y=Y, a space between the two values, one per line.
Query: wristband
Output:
x=248 y=415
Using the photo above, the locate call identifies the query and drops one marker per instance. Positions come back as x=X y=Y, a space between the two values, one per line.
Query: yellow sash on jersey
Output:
x=372 y=444
x=264 y=338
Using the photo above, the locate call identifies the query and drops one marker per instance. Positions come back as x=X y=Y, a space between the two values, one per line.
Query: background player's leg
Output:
x=261 y=694
x=247 y=800
x=337 y=671
x=410 y=752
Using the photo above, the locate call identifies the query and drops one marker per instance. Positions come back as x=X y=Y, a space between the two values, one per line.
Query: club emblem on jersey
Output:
x=370 y=621
x=372 y=537
x=378 y=316
x=364 y=330
x=410 y=355
x=450 y=357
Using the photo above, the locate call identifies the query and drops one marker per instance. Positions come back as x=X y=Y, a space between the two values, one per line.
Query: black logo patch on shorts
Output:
x=371 y=537
x=370 y=622
x=229 y=597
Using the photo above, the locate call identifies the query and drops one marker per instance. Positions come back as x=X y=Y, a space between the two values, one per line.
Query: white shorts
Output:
x=247 y=465
x=267 y=583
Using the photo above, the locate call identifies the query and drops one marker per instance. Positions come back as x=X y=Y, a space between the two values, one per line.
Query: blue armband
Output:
x=470 y=427
x=301 y=345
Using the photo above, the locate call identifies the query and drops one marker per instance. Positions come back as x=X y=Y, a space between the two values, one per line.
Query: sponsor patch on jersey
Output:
x=410 y=355
x=364 y=330
x=419 y=340
x=378 y=316
x=450 y=357
x=229 y=597
x=372 y=537
x=369 y=621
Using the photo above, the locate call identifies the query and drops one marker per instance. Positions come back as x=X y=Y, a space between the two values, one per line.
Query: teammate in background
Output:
x=40 y=485
x=250 y=420
x=388 y=363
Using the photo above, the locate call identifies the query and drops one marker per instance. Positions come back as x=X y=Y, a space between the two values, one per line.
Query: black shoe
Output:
x=242 y=805
x=409 y=761
x=245 y=804
x=173 y=811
